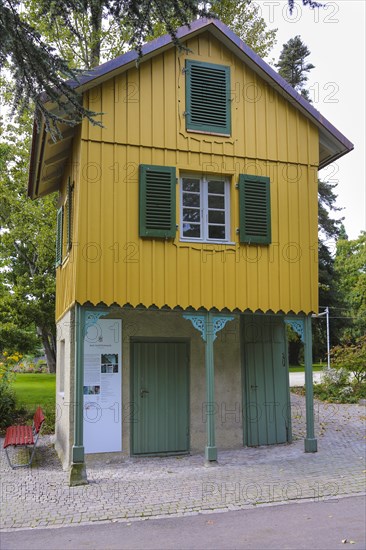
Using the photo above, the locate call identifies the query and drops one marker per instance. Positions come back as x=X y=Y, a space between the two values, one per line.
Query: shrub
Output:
x=338 y=387
x=7 y=396
x=352 y=358
x=28 y=365
x=7 y=406
x=334 y=377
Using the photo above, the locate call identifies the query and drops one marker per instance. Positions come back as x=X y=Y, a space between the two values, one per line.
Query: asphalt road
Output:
x=301 y=525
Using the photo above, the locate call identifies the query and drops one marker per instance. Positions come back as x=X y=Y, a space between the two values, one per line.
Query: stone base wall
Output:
x=141 y=324
x=228 y=392
x=65 y=387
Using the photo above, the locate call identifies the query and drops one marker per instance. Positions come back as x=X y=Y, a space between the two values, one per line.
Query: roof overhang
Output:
x=48 y=158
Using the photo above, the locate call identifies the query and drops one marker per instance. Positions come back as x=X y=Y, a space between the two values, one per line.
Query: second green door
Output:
x=267 y=412
x=160 y=386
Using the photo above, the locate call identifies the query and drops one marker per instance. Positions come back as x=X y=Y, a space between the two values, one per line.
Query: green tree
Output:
x=244 y=19
x=91 y=39
x=330 y=295
x=350 y=268
x=292 y=65
x=27 y=277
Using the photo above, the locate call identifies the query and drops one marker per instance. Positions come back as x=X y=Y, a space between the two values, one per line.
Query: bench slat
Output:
x=19 y=435
x=23 y=436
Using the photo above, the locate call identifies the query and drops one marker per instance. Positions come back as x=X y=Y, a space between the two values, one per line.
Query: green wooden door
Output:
x=266 y=394
x=160 y=422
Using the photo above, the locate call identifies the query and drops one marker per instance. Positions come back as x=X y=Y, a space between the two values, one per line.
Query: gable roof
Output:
x=332 y=143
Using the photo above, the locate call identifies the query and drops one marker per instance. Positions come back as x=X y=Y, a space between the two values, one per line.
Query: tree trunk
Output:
x=96 y=24
x=50 y=350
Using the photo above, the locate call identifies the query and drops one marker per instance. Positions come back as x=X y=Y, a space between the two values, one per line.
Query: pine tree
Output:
x=292 y=65
x=39 y=72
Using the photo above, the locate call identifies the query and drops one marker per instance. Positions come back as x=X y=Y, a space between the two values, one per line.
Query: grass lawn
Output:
x=32 y=390
x=316 y=368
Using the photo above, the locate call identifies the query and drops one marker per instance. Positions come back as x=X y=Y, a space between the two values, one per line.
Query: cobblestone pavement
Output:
x=146 y=487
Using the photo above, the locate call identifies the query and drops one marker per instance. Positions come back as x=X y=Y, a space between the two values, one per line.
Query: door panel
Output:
x=266 y=389
x=160 y=395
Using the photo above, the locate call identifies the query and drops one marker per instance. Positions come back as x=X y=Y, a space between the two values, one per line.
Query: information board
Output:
x=102 y=385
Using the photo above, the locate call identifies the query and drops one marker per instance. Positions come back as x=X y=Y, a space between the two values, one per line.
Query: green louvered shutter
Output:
x=59 y=224
x=70 y=189
x=255 y=209
x=208 y=106
x=157 y=201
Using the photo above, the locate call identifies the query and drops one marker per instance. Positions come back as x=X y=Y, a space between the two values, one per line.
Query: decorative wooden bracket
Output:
x=208 y=323
x=298 y=326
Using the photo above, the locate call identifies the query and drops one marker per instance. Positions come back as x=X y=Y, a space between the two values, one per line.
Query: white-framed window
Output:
x=205 y=208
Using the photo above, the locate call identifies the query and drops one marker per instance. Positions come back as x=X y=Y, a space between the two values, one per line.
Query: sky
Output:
x=335 y=36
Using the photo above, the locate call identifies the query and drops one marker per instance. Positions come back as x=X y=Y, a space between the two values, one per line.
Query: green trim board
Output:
x=157 y=190
x=78 y=445
x=310 y=442
x=78 y=448
x=210 y=449
x=59 y=235
x=208 y=102
x=70 y=194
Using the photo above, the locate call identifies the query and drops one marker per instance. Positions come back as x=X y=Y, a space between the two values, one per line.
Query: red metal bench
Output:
x=24 y=436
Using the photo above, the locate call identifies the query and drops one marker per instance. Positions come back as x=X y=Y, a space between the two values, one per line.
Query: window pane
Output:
x=190 y=184
x=216 y=232
x=216 y=216
x=191 y=230
x=215 y=201
x=216 y=187
x=191 y=215
x=191 y=199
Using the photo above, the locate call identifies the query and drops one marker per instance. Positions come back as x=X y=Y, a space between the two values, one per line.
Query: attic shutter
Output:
x=208 y=97
x=70 y=193
x=255 y=214
x=59 y=224
x=157 y=201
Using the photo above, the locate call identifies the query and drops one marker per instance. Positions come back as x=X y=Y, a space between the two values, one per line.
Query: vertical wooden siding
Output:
x=144 y=123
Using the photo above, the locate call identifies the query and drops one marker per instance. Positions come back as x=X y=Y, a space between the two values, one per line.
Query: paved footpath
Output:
x=140 y=488
x=302 y=525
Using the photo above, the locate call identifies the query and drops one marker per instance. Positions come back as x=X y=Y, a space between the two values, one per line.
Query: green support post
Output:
x=208 y=325
x=311 y=444
x=210 y=449
x=78 y=470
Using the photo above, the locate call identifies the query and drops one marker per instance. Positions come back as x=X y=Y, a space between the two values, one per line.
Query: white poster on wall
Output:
x=102 y=384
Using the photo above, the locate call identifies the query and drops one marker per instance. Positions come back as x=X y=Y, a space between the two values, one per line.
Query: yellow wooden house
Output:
x=187 y=239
